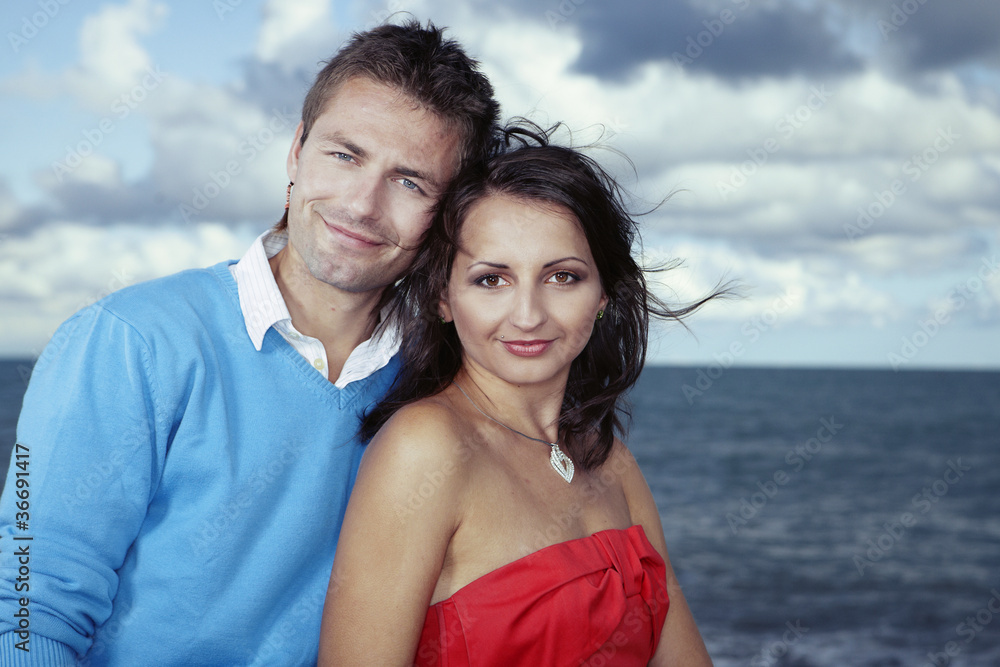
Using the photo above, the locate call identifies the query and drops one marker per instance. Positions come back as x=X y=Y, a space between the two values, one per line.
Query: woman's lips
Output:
x=526 y=348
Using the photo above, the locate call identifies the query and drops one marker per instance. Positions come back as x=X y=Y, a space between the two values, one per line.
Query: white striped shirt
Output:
x=263 y=307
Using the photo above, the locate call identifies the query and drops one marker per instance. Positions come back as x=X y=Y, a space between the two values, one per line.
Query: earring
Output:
x=441 y=319
x=600 y=313
x=288 y=195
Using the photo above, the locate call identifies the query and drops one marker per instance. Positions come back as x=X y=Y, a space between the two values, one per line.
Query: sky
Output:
x=839 y=159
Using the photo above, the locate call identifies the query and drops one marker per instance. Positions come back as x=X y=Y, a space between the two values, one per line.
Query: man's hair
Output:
x=529 y=169
x=419 y=62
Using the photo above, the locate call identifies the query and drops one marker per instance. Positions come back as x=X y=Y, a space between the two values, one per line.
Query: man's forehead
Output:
x=446 y=128
x=345 y=95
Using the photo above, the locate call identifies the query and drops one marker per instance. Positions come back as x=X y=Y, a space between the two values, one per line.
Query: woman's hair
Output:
x=526 y=167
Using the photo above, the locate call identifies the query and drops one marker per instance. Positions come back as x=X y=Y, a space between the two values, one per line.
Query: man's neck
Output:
x=339 y=320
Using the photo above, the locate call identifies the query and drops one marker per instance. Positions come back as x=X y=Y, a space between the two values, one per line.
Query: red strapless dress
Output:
x=601 y=597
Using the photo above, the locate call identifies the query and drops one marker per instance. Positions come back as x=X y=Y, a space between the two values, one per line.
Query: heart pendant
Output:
x=562 y=463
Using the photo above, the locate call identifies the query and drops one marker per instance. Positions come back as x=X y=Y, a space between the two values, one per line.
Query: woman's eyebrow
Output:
x=495 y=265
x=492 y=265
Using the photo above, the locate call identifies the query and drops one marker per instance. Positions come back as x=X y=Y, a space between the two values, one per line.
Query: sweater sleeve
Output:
x=80 y=479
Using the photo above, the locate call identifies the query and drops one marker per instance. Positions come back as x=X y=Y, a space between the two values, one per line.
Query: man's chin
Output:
x=349 y=283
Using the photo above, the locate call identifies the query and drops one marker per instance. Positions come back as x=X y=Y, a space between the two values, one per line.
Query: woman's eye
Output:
x=408 y=184
x=563 y=277
x=491 y=280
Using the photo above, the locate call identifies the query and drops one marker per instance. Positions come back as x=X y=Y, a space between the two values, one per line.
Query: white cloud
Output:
x=9 y=206
x=218 y=153
x=296 y=34
x=813 y=293
x=111 y=59
x=55 y=271
x=783 y=231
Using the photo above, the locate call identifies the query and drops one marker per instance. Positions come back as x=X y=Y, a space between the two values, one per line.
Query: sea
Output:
x=814 y=517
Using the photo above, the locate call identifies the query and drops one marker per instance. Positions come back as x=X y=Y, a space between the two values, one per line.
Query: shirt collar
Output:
x=260 y=299
x=263 y=307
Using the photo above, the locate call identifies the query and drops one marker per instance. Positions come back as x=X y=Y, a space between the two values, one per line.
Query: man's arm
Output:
x=87 y=456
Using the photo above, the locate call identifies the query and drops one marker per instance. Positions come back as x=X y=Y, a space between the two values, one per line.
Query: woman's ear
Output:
x=603 y=303
x=444 y=309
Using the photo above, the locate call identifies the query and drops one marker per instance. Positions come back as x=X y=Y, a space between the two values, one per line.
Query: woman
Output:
x=496 y=518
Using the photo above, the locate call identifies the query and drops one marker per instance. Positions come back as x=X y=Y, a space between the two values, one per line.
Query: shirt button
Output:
x=294 y=336
x=318 y=364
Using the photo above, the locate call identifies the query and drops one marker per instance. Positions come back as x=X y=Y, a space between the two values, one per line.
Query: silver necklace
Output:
x=561 y=463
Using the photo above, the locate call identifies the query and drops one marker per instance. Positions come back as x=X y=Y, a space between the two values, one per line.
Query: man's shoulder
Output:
x=173 y=294
x=184 y=306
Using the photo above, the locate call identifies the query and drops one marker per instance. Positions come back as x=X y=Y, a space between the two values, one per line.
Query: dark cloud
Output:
x=738 y=39
x=734 y=40
x=930 y=34
x=25 y=221
x=96 y=204
x=271 y=86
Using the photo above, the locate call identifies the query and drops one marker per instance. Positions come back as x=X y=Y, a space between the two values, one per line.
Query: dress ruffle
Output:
x=601 y=595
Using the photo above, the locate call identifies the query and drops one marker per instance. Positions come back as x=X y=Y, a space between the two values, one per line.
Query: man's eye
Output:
x=343 y=156
x=408 y=184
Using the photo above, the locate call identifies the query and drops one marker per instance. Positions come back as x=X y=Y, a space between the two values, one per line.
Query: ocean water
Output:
x=822 y=517
x=814 y=517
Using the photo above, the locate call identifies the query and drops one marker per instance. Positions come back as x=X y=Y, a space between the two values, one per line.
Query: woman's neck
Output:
x=531 y=409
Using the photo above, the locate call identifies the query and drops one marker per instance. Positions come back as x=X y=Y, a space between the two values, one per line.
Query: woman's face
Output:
x=524 y=290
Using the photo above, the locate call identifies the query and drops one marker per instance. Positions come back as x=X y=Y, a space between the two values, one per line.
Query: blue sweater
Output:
x=185 y=491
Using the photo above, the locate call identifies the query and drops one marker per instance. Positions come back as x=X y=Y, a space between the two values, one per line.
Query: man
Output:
x=187 y=445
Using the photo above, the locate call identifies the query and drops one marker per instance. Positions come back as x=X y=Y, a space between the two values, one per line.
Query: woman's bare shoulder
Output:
x=425 y=435
x=621 y=462
x=432 y=412
x=641 y=504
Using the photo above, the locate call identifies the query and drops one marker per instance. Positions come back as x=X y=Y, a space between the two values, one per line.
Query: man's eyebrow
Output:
x=413 y=173
x=338 y=138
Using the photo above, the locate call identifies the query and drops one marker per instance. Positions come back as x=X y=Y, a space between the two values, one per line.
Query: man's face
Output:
x=366 y=178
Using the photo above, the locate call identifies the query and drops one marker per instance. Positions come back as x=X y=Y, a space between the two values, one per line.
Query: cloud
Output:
x=922 y=35
x=269 y=85
x=813 y=292
x=725 y=39
x=217 y=153
x=111 y=57
x=801 y=107
x=51 y=273
x=297 y=35
x=219 y=157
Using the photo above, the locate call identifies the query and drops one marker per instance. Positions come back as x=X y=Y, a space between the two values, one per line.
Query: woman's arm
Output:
x=680 y=642
x=405 y=507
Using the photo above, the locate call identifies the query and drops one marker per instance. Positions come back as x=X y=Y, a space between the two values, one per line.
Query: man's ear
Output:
x=292 y=164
